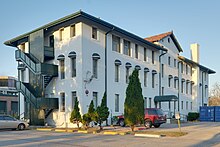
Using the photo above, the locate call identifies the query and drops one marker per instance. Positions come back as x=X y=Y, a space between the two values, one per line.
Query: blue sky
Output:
x=191 y=20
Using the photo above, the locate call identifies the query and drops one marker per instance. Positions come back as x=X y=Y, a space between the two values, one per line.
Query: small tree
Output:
x=134 y=102
x=75 y=114
x=102 y=112
x=88 y=117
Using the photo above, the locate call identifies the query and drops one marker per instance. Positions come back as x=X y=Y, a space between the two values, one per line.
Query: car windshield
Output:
x=155 y=112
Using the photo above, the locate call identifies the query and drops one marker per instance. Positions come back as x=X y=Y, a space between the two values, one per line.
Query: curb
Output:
x=82 y=131
x=44 y=129
x=110 y=133
x=148 y=135
x=60 y=130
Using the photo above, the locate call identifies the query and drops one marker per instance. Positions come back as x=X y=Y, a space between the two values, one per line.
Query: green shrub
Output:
x=192 y=116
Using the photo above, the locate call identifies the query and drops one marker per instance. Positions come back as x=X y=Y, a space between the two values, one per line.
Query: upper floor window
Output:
x=22 y=47
x=136 y=51
x=187 y=87
x=186 y=69
x=127 y=48
x=146 y=70
x=72 y=30
x=169 y=80
x=186 y=105
x=94 y=33
x=181 y=67
x=150 y=102
x=152 y=57
x=191 y=70
x=72 y=56
x=95 y=58
x=162 y=70
x=145 y=102
x=127 y=66
x=117 y=64
x=169 y=60
x=61 y=34
x=182 y=85
x=61 y=59
x=154 y=72
x=145 y=54
x=116 y=43
x=168 y=40
x=174 y=62
x=162 y=89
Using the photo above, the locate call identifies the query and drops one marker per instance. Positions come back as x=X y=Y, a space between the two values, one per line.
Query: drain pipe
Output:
x=106 y=68
x=163 y=53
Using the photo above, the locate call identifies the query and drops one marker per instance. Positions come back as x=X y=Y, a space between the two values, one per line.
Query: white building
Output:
x=83 y=56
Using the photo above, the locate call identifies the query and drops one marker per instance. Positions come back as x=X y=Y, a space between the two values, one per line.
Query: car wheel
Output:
x=21 y=127
x=157 y=126
x=121 y=122
x=147 y=123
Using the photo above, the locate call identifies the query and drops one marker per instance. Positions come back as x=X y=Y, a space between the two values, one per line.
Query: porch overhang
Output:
x=165 y=98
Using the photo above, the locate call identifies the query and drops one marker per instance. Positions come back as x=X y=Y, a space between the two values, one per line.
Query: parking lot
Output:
x=199 y=134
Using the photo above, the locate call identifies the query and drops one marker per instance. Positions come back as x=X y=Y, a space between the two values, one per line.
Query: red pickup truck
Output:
x=153 y=117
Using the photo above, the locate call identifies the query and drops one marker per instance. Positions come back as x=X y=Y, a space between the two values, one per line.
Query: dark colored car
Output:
x=153 y=117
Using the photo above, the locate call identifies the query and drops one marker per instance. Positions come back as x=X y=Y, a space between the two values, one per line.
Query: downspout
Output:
x=160 y=71
x=163 y=53
x=202 y=89
x=179 y=85
x=106 y=67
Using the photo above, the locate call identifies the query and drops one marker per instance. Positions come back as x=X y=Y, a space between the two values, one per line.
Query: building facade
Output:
x=83 y=56
x=8 y=96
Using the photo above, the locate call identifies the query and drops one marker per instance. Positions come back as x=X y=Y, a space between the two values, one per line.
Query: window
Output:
x=152 y=57
x=127 y=48
x=168 y=40
x=73 y=66
x=169 y=105
x=187 y=87
x=127 y=75
x=145 y=102
x=22 y=47
x=95 y=68
x=116 y=43
x=153 y=80
x=162 y=70
x=145 y=78
x=162 y=91
x=181 y=67
x=149 y=102
x=169 y=81
x=169 y=60
x=175 y=83
x=72 y=30
x=145 y=54
x=182 y=83
x=95 y=99
x=116 y=102
x=61 y=34
x=174 y=62
x=191 y=88
x=62 y=97
x=191 y=106
x=204 y=76
x=191 y=70
x=181 y=104
x=186 y=105
x=73 y=99
x=116 y=73
x=136 y=51
x=186 y=69
x=62 y=69
x=94 y=33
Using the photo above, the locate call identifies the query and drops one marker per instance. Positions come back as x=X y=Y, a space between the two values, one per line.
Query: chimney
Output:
x=195 y=52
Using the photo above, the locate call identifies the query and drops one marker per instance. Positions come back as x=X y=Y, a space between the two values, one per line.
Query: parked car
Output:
x=153 y=117
x=9 y=122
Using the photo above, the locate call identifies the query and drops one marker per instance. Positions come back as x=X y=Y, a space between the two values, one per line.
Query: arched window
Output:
x=117 y=64
x=61 y=59
x=72 y=56
x=95 y=58
x=127 y=66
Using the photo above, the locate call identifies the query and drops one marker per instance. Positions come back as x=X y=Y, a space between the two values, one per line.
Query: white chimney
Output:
x=195 y=52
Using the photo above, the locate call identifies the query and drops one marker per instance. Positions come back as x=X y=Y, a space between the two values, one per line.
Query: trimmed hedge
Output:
x=192 y=116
